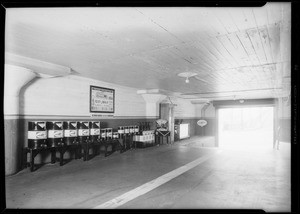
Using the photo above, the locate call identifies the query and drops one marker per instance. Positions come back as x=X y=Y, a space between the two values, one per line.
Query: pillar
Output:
x=152 y=104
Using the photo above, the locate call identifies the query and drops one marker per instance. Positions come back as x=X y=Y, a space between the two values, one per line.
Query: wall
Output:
x=69 y=96
x=184 y=108
x=210 y=116
x=284 y=118
x=185 y=112
x=66 y=98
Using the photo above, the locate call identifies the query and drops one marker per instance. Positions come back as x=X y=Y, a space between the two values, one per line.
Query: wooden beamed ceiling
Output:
x=242 y=52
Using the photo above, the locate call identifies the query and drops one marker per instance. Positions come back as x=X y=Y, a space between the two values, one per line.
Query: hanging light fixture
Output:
x=187 y=80
x=187 y=75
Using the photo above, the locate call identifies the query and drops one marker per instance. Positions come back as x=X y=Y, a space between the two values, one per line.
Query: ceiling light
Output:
x=187 y=75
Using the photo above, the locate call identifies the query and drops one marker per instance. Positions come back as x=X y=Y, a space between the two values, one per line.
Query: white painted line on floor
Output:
x=147 y=187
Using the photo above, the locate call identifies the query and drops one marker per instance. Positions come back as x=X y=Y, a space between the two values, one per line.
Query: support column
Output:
x=15 y=78
x=152 y=104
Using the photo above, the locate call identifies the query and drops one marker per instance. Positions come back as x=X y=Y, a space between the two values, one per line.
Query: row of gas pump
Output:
x=78 y=135
x=43 y=134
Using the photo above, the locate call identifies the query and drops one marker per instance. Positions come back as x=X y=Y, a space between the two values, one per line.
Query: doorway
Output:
x=246 y=127
x=166 y=112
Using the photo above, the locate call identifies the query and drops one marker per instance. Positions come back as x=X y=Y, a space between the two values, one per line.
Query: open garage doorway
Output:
x=246 y=127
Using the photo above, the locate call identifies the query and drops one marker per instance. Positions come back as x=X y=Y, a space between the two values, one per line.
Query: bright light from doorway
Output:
x=245 y=128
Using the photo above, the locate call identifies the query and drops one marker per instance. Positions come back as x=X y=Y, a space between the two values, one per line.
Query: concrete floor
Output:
x=255 y=178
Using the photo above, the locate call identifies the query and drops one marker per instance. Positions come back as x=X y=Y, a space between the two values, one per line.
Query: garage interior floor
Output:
x=226 y=179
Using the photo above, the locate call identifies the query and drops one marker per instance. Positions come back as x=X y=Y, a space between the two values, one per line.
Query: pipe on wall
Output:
x=15 y=78
x=204 y=107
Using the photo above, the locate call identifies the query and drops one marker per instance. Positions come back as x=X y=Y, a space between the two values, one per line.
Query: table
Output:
x=34 y=152
x=115 y=144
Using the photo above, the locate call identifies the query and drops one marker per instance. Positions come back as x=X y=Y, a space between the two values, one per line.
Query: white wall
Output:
x=184 y=108
x=70 y=96
x=198 y=108
x=210 y=111
x=284 y=108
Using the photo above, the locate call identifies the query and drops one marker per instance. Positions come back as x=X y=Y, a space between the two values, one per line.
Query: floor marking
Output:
x=147 y=187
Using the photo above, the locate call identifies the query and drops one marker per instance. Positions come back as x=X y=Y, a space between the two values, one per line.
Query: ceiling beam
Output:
x=42 y=68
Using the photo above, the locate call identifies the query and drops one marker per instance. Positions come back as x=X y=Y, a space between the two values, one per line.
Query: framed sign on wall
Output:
x=102 y=100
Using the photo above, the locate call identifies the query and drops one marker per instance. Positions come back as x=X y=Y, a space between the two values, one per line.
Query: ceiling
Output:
x=243 y=52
